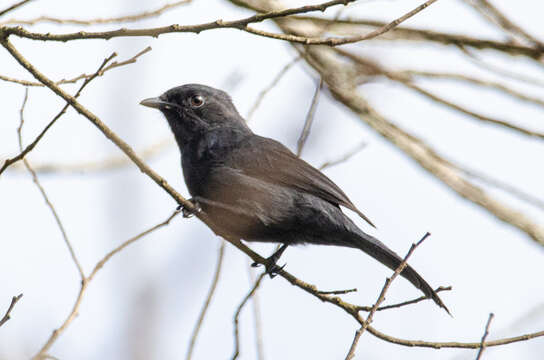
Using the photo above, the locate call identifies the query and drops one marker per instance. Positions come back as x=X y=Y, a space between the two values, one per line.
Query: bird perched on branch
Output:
x=254 y=188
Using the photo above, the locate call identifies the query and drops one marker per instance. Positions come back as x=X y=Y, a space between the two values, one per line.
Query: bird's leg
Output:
x=189 y=213
x=272 y=268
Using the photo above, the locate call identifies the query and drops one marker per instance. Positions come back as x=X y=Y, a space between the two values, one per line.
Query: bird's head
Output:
x=193 y=109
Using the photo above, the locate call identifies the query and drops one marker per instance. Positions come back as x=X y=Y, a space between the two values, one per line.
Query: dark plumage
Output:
x=256 y=189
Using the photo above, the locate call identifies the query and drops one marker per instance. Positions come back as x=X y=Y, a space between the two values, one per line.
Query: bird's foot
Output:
x=270 y=263
x=189 y=213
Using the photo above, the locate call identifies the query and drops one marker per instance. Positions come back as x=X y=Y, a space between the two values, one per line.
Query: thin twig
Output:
x=404 y=303
x=309 y=119
x=85 y=283
x=88 y=79
x=343 y=158
x=13 y=7
x=381 y=298
x=205 y=306
x=274 y=82
x=486 y=333
x=7 y=315
x=498 y=184
x=337 y=292
x=121 y=19
x=476 y=81
x=256 y=317
x=44 y=194
x=240 y=24
x=463 y=110
x=415 y=34
x=73 y=80
x=251 y=292
x=489 y=11
x=498 y=70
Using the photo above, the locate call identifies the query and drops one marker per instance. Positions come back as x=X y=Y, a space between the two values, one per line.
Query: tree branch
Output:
x=7 y=315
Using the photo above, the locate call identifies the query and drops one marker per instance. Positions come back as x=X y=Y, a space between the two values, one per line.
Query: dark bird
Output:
x=254 y=188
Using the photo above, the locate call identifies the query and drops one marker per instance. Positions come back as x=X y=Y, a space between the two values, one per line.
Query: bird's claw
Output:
x=270 y=263
x=272 y=269
x=186 y=213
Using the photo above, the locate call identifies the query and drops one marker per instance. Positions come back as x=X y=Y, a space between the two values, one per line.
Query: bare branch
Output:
x=333 y=41
x=490 y=12
x=404 y=303
x=475 y=81
x=88 y=79
x=381 y=297
x=265 y=91
x=464 y=110
x=342 y=87
x=251 y=292
x=73 y=80
x=155 y=32
x=309 y=119
x=337 y=292
x=343 y=158
x=207 y=301
x=44 y=194
x=42 y=354
x=486 y=333
x=121 y=19
x=369 y=66
x=7 y=315
x=415 y=34
x=13 y=7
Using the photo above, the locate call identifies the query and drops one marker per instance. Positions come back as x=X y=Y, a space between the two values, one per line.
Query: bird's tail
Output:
x=389 y=258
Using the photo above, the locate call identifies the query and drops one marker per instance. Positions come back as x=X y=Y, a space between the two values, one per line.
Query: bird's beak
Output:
x=156 y=103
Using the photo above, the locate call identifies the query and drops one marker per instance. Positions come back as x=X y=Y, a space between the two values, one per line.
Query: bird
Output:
x=254 y=188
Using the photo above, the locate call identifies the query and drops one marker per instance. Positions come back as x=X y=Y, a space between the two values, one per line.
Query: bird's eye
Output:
x=196 y=101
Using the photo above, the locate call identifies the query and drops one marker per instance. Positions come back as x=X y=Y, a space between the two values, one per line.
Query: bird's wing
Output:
x=270 y=161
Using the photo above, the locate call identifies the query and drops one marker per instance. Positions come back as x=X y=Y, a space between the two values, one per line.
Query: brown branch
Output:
x=121 y=19
x=414 y=34
x=13 y=7
x=73 y=80
x=464 y=110
x=251 y=292
x=381 y=298
x=422 y=153
x=7 y=315
x=333 y=41
x=476 y=60
x=265 y=91
x=42 y=354
x=338 y=292
x=155 y=32
x=476 y=81
x=404 y=303
x=490 y=12
x=44 y=194
x=370 y=66
x=486 y=333
x=205 y=306
x=510 y=189
x=309 y=119
x=88 y=79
